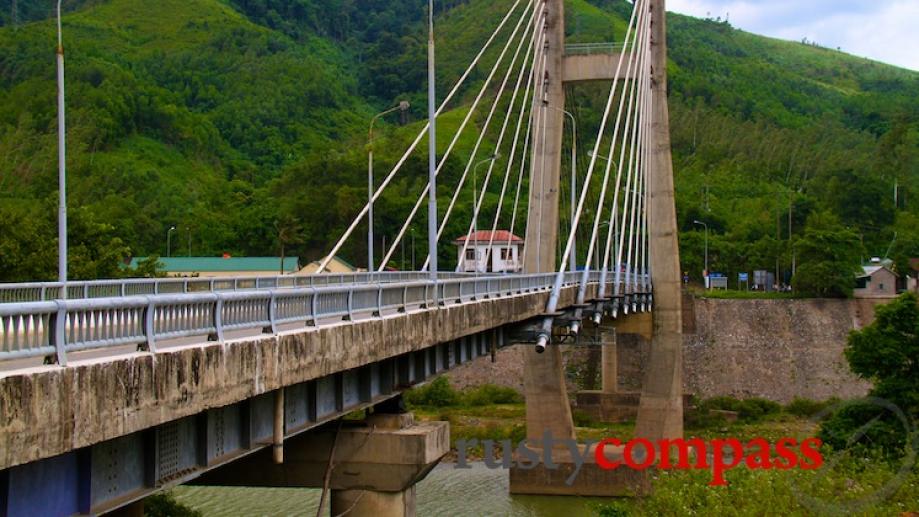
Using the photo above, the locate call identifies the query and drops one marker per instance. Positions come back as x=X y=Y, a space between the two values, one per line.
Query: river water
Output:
x=446 y=491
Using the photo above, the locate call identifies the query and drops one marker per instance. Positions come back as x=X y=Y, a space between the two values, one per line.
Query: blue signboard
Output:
x=743 y=277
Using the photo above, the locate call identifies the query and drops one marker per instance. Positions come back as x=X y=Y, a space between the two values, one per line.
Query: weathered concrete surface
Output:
x=660 y=414
x=615 y=407
x=543 y=376
x=374 y=504
x=367 y=457
x=594 y=67
x=777 y=349
x=53 y=410
x=590 y=481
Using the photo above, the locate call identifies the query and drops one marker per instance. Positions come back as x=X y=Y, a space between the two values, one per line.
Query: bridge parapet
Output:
x=56 y=328
x=585 y=49
x=45 y=291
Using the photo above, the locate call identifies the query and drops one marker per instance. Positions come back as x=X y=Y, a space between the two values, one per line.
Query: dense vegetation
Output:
x=244 y=124
x=887 y=354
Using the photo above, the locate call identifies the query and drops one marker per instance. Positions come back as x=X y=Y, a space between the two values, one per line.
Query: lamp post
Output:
x=61 y=163
x=413 y=249
x=169 y=240
x=572 y=256
x=432 y=152
x=403 y=105
x=706 y=251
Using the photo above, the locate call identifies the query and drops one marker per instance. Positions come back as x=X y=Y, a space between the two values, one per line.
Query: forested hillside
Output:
x=243 y=123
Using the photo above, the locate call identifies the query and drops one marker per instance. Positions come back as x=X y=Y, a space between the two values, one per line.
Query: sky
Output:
x=884 y=30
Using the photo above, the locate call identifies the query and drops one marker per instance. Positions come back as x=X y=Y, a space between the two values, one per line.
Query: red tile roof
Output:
x=486 y=236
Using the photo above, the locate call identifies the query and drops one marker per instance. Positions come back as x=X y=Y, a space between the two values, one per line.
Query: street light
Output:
x=413 y=249
x=61 y=163
x=706 y=251
x=403 y=106
x=169 y=240
x=432 y=154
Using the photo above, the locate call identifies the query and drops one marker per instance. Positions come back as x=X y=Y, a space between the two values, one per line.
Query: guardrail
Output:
x=54 y=328
x=581 y=49
x=39 y=291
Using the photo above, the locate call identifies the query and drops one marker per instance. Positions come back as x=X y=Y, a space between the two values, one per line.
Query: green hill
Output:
x=243 y=122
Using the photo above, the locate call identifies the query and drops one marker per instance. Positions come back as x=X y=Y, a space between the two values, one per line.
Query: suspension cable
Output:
x=363 y=213
x=469 y=114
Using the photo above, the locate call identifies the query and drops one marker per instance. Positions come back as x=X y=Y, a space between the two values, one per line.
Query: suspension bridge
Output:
x=113 y=390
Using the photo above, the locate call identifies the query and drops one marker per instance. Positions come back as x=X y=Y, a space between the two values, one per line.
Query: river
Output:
x=446 y=491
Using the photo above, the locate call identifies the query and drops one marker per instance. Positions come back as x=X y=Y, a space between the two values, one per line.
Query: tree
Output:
x=887 y=354
x=828 y=257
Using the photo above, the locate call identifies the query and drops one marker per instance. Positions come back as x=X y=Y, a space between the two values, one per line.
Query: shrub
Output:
x=887 y=354
x=807 y=408
x=439 y=393
x=748 y=409
x=165 y=505
x=581 y=419
x=491 y=394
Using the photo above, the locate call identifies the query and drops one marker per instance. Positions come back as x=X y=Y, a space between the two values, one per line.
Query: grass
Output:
x=851 y=486
x=731 y=294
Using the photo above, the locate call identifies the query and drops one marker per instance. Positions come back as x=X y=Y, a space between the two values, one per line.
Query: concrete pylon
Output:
x=660 y=412
x=547 y=406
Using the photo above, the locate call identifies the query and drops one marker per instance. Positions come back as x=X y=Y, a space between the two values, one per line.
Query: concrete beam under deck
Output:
x=593 y=67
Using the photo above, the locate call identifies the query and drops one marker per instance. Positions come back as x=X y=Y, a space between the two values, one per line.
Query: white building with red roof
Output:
x=487 y=252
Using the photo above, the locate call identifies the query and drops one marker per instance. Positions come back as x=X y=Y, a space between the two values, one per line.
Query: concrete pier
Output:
x=372 y=465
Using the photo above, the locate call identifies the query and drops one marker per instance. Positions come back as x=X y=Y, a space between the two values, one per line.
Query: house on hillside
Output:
x=225 y=266
x=877 y=280
x=498 y=252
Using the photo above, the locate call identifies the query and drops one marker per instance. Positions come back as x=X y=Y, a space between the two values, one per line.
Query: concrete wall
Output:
x=776 y=349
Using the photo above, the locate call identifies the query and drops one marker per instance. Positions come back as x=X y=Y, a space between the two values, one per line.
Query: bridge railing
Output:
x=583 y=49
x=56 y=328
x=40 y=291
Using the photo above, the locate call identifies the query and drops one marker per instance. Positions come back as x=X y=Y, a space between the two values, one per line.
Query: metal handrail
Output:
x=58 y=327
x=40 y=291
x=581 y=49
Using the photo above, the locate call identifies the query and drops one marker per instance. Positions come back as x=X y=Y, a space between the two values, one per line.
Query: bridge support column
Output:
x=661 y=412
x=375 y=464
x=547 y=405
x=374 y=504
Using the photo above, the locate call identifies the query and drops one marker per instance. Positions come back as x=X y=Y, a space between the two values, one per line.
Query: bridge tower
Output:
x=660 y=412
x=548 y=409
x=547 y=406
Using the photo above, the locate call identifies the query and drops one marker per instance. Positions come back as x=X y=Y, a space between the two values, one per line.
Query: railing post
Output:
x=314 y=306
x=350 y=303
x=380 y=300
x=149 y=327
x=218 y=319
x=272 y=312
x=60 y=334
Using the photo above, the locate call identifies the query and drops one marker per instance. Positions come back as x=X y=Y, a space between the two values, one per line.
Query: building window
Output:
x=506 y=254
x=470 y=254
x=881 y=287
